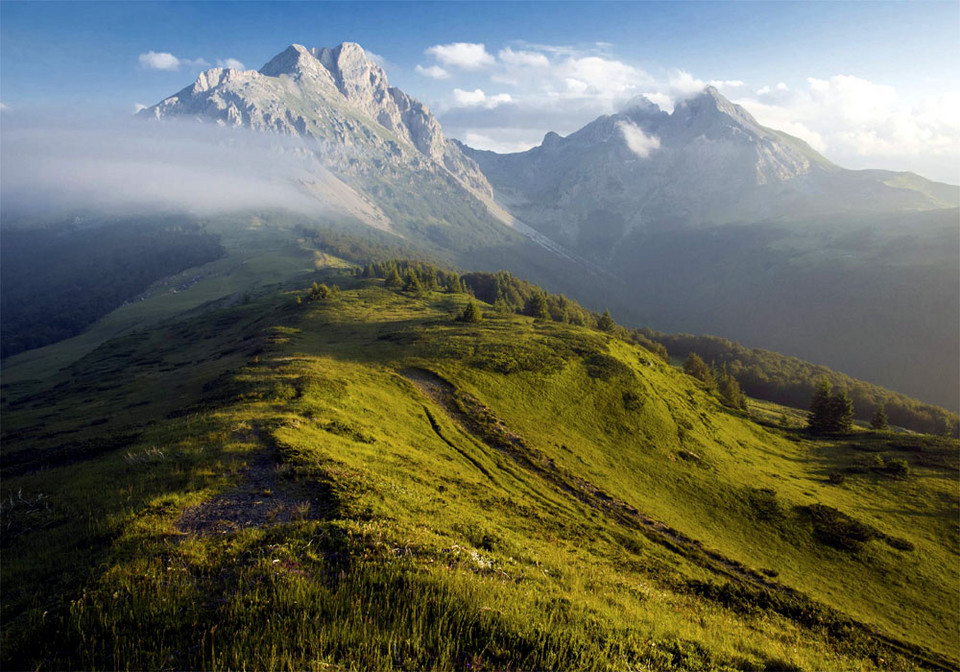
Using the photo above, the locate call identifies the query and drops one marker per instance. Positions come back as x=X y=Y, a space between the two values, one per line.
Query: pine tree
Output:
x=841 y=413
x=879 y=419
x=536 y=306
x=605 y=322
x=453 y=284
x=411 y=282
x=696 y=367
x=819 y=416
x=830 y=413
x=471 y=313
x=729 y=389
x=392 y=278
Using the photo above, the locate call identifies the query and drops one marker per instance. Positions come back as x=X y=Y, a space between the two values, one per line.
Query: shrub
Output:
x=836 y=477
x=837 y=529
x=606 y=367
x=470 y=313
x=897 y=468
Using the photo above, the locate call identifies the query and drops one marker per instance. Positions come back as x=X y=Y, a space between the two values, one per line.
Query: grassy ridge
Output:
x=551 y=497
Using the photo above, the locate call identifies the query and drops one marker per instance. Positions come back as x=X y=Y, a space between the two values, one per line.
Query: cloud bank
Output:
x=162 y=60
x=139 y=165
x=862 y=124
x=508 y=101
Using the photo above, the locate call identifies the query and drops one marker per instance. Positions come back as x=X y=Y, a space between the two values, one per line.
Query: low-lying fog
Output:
x=132 y=164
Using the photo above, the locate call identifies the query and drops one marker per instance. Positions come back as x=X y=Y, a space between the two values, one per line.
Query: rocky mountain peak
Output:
x=357 y=77
x=641 y=105
x=711 y=105
x=318 y=92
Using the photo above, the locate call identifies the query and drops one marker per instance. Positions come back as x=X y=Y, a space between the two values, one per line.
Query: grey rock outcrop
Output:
x=337 y=96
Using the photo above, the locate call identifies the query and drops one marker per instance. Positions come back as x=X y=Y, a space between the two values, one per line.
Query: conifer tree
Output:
x=536 y=306
x=605 y=322
x=729 y=389
x=411 y=282
x=393 y=278
x=879 y=419
x=696 y=367
x=819 y=416
x=830 y=413
x=471 y=312
x=841 y=413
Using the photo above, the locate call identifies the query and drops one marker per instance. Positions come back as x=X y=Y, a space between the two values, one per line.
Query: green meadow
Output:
x=365 y=482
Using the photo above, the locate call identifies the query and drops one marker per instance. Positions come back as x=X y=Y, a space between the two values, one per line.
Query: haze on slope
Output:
x=128 y=166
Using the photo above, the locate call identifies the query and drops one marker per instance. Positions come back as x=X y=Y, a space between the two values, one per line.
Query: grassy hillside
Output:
x=792 y=381
x=366 y=482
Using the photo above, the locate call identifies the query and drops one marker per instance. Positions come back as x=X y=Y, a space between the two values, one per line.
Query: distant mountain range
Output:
x=707 y=163
x=699 y=220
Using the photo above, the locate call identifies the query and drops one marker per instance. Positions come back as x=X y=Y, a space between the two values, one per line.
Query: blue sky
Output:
x=868 y=84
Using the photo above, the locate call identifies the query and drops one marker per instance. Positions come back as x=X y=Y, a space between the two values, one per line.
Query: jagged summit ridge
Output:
x=325 y=93
x=708 y=162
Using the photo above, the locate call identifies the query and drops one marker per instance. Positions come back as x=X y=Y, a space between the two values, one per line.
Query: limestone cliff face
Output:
x=337 y=96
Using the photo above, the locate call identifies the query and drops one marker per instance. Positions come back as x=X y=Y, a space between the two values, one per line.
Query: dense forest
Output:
x=58 y=280
x=791 y=381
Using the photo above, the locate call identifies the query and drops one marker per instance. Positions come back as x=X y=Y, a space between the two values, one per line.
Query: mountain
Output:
x=716 y=224
x=700 y=220
x=707 y=163
x=358 y=479
x=383 y=158
x=335 y=95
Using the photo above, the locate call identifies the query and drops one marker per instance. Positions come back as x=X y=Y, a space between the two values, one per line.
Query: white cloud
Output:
x=4 y=107
x=861 y=124
x=726 y=83
x=639 y=142
x=681 y=84
x=502 y=145
x=477 y=98
x=162 y=61
x=153 y=60
x=138 y=107
x=233 y=63
x=523 y=58
x=433 y=72
x=376 y=58
x=466 y=55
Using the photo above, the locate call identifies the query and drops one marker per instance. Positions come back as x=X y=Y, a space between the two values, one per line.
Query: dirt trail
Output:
x=262 y=500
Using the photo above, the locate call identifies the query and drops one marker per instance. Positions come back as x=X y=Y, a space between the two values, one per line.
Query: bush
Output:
x=606 y=367
x=836 y=478
x=837 y=529
x=470 y=313
x=897 y=468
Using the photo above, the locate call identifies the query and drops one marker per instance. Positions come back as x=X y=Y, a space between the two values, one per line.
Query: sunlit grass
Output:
x=436 y=550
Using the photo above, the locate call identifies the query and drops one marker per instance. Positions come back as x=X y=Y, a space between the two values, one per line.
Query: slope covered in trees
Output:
x=791 y=381
x=56 y=281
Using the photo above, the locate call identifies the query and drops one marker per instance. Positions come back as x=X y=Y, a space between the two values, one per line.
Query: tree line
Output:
x=506 y=293
x=57 y=281
x=791 y=381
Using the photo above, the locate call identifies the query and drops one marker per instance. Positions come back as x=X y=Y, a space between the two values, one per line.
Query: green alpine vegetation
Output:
x=791 y=381
x=402 y=467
